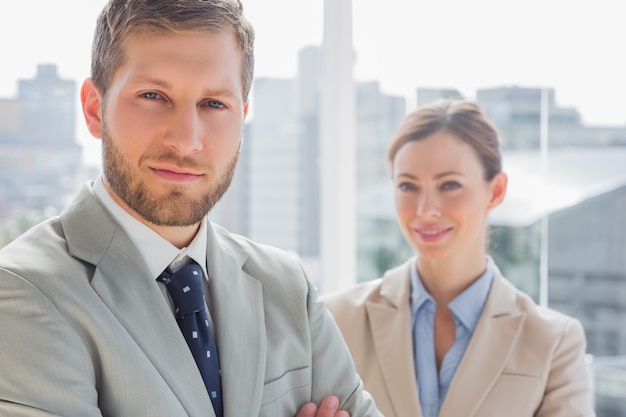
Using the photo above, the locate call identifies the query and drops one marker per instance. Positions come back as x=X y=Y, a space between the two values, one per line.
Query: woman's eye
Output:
x=406 y=186
x=450 y=185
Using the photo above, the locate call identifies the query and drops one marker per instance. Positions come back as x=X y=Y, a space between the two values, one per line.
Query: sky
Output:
x=569 y=45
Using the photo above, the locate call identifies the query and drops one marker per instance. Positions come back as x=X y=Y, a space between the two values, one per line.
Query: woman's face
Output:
x=442 y=199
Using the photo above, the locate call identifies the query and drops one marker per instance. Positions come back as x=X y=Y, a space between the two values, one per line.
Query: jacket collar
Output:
x=123 y=281
x=390 y=324
x=497 y=332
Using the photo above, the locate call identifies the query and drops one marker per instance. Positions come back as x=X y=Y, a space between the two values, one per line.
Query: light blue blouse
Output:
x=466 y=309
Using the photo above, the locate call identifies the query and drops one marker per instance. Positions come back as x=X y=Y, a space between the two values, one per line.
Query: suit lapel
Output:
x=390 y=323
x=122 y=281
x=237 y=310
x=495 y=336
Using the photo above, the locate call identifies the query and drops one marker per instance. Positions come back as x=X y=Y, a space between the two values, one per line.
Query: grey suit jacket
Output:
x=522 y=361
x=85 y=330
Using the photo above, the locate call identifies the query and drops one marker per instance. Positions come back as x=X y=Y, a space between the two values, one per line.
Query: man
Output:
x=90 y=323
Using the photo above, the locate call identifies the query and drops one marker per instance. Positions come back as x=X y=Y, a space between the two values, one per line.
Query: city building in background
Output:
x=378 y=117
x=274 y=165
x=307 y=109
x=40 y=160
x=233 y=210
x=516 y=111
x=427 y=95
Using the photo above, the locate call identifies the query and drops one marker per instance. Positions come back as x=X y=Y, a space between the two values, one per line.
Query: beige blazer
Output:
x=522 y=361
x=86 y=331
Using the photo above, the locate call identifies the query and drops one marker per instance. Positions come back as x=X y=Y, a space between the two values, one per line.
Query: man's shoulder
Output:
x=261 y=260
x=38 y=254
x=44 y=239
x=250 y=246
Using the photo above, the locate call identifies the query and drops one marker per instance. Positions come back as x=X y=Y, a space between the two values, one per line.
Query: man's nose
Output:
x=185 y=131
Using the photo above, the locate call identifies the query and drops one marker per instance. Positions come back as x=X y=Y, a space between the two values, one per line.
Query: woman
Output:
x=445 y=334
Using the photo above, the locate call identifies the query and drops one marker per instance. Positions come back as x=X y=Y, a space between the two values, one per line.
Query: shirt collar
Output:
x=156 y=251
x=467 y=306
x=419 y=294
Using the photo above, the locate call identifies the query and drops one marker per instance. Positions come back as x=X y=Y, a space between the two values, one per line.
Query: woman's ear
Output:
x=91 y=101
x=498 y=189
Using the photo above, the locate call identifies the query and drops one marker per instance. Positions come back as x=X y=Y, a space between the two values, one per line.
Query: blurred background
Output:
x=333 y=81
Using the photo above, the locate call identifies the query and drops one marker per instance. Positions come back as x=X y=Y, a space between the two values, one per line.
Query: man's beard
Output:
x=174 y=208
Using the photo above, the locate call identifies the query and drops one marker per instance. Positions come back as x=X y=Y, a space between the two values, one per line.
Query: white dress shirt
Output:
x=157 y=252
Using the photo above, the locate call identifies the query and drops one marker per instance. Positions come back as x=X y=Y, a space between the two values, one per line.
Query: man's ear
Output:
x=245 y=110
x=498 y=189
x=91 y=101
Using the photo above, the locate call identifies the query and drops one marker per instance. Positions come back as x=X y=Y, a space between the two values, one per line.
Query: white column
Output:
x=337 y=150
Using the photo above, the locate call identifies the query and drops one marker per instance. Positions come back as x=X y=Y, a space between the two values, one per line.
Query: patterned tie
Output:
x=185 y=288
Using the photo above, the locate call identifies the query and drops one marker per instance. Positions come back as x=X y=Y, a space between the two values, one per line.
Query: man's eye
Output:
x=214 y=104
x=151 y=96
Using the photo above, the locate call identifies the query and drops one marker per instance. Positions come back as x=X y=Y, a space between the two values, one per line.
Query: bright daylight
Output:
x=421 y=204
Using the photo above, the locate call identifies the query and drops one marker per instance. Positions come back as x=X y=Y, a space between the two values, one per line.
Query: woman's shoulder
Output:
x=391 y=290
x=356 y=295
x=543 y=319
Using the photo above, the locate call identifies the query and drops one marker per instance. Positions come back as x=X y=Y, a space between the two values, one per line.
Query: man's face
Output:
x=171 y=125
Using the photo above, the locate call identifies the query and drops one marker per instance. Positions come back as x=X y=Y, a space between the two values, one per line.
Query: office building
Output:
x=39 y=157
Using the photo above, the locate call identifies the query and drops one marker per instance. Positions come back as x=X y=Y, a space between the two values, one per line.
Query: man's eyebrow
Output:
x=150 y=80
x=216 y=92
x=219 y=92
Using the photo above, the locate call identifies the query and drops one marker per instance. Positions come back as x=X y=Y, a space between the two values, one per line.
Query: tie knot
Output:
x=185 y=288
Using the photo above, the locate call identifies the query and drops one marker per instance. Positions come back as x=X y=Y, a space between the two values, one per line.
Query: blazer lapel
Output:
x=495 y=336
x=390 y=323
x=238 y=314
x=122 y=281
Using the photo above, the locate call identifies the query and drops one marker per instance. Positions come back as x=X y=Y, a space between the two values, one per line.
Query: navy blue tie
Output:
x=185 y=288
